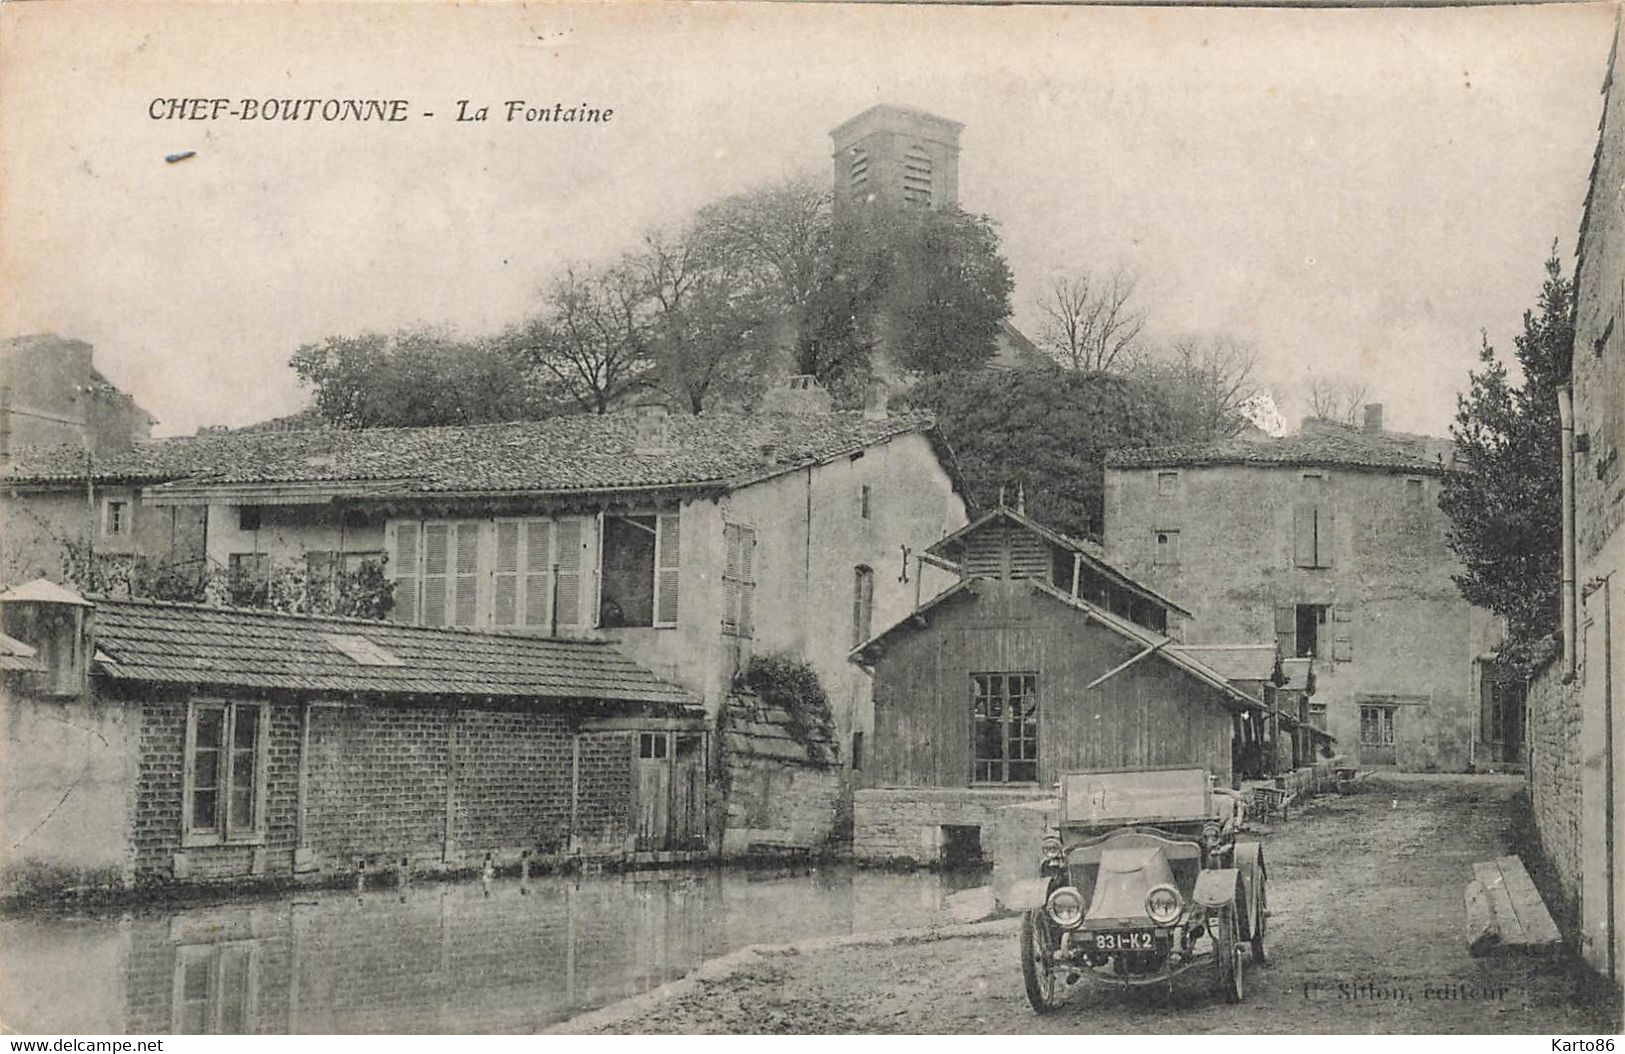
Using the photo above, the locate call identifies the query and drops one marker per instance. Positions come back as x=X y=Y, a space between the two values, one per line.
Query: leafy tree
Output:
x=415 y=377
x=1506 y=509
x=947 y=289
x=707 y=313
x=834 y=285
x=1046 y=432
x=591 y=343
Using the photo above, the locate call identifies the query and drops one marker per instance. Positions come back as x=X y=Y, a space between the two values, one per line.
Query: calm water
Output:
x=438 y=958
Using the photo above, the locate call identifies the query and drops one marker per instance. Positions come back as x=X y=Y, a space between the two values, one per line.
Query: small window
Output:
x=863 y=604
x=857 y=751
x=863 y=501
x=1377 y=725
x=224 y=794
x=1311 y=630
x=1415 y=490
x=1167 y=484
x=1316 y=715
x=653 y=746
x=248 y=518
x=117 y=521
x=1167 y=548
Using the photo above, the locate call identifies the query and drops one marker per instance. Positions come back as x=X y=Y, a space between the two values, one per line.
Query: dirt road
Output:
x=1366 y=936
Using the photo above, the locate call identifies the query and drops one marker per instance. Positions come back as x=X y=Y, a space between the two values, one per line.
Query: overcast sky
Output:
x=1352 y=191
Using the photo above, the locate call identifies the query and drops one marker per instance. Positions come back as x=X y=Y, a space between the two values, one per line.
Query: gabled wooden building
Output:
x=1042 y=659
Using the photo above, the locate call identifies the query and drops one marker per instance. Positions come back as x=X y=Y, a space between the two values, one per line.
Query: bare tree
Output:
x=1206 y=380
x=1337 y=398
x=1091 y=322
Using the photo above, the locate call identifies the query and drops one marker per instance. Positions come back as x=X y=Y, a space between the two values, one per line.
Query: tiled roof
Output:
x=572 y=453
x=139 y=640
x=1325 y=444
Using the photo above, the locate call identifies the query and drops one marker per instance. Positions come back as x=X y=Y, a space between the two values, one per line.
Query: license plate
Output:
x=1131 y=941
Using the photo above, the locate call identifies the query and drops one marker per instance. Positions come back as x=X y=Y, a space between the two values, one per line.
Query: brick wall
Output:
x=1554 y=742
x=604 y=814
x=382 y=781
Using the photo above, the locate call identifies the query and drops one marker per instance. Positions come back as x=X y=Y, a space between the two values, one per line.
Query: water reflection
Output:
x=428 y=958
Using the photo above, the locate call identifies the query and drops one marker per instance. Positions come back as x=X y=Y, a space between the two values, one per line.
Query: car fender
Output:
x=1216 y=888
x=1025 y=893
x=1249 y=860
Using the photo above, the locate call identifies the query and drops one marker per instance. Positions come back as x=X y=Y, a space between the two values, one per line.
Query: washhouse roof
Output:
x=152 y=641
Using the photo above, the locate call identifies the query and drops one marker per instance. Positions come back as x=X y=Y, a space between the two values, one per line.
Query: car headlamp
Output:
x=1065 y=907
x=1163 y=904
x=1211 y=833
x=1052 y=848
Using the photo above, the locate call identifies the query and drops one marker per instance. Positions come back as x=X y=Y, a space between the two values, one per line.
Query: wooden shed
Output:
x=990 y=691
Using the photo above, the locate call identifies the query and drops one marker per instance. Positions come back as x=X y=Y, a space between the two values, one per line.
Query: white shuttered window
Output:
x=668 y=550
x=739 y=579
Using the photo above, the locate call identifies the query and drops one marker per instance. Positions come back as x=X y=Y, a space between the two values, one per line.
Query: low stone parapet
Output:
x=923 y=825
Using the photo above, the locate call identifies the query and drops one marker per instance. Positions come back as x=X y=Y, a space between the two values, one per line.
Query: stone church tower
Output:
x=896 y=156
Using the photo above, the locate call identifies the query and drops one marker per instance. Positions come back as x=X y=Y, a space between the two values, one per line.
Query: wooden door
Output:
x=652 y=791
x=688 y=791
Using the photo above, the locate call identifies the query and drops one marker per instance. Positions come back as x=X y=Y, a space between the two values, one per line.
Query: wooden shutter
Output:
x=1342 y=634
x=466 y=588
x=1303 y=535
x=747 y=581
x=1323 y=536
x=1286 y=630
x=568 y=561
x=730 y=578
x=668 y=550
x=505 y=575
x=538 y=540
x=404 y=570
x=436 y=572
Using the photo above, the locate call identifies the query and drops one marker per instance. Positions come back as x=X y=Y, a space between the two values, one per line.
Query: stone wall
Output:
x=907 y=824
x=65 y=767
x=1398 y=631
x=1554 y=741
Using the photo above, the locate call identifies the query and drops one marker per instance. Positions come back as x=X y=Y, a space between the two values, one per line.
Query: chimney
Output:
x=800 y=394
x=874 y=402
x=652 y=435
x=1373 y=417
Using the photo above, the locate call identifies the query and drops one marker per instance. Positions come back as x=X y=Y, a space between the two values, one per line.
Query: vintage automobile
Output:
x=1144 y=879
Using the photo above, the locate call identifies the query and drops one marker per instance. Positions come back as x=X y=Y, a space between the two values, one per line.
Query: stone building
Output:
x=1577 y=734
x=1332 y=541
x=51 y=393
x=151 y=743
x=693 y=542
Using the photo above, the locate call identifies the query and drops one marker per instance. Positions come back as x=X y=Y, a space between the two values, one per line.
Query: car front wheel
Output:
x=1038 y=962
